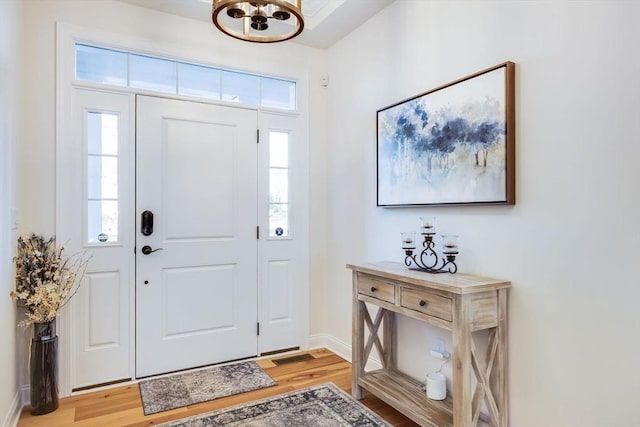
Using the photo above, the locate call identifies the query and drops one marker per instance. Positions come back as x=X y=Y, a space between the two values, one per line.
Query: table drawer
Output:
x=377 y=289
x=426 y=302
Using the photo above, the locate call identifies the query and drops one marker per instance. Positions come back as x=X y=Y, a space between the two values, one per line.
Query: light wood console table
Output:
x=460 y=303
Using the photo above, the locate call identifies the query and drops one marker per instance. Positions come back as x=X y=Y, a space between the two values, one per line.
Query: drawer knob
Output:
x=373 y=289
x=422 y=303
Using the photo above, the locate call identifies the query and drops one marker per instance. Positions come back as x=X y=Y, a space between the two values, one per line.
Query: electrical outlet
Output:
x=438 y=345
x=441 y=355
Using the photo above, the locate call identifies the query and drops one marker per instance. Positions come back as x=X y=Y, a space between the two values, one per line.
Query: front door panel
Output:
x=196 y=288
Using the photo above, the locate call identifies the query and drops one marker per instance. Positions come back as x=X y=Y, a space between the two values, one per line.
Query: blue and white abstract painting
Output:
x=447 y=146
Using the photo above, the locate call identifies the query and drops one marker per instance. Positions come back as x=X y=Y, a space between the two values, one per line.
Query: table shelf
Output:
x=403 y=393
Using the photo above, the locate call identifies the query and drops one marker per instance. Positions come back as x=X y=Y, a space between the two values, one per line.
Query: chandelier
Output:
x=262 y=21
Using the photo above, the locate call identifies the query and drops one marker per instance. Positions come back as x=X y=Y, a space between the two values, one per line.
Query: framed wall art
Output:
x=452 y=145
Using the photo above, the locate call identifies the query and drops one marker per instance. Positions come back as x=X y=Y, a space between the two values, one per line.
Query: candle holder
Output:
x=427 y=260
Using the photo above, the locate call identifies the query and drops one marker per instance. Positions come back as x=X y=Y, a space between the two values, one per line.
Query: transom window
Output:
x=128 y=69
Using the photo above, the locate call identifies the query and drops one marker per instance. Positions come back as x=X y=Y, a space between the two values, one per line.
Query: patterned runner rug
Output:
x=321 y=406
x=188 y=388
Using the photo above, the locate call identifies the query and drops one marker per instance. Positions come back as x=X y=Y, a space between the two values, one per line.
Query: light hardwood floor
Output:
x=122 y=407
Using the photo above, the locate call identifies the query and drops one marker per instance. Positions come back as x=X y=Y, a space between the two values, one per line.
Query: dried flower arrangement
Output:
x=45 y=279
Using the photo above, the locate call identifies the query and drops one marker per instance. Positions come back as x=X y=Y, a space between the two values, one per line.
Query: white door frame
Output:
x=66 y=37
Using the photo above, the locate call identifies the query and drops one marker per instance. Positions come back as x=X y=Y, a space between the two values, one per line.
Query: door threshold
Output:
x=95 y=386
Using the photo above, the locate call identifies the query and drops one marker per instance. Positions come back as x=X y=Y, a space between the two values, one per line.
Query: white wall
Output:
x=10 y=29
x=179 y=37
x=569 y=245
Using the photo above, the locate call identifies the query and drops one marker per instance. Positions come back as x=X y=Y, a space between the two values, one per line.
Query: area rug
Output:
x=321 y=406
x=188 y=388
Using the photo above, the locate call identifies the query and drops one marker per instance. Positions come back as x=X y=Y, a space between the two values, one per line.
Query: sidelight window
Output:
x=278 y=184
x=102 y=177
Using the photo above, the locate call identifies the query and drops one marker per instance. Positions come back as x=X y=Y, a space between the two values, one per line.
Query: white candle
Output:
x=408 y=240
x=450 y=244
x=427 y=225
x=436 y=386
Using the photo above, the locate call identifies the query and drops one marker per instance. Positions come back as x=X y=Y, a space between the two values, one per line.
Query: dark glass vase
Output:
x=44 y=368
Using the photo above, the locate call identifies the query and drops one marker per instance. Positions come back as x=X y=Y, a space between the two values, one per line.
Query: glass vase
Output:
x=44 y=368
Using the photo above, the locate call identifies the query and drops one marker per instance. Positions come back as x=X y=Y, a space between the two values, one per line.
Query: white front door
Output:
x=196 y=293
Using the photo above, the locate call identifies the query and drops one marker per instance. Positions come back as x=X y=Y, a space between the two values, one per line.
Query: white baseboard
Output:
x=25 y=393
x=340 y=348
x=11 y=419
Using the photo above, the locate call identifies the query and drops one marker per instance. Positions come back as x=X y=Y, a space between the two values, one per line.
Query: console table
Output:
x=460 y=303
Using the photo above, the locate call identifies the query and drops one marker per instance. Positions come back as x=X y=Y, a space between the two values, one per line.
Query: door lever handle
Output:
x=146 y=249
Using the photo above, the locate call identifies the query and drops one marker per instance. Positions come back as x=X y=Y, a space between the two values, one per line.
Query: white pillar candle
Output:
x=436 y=386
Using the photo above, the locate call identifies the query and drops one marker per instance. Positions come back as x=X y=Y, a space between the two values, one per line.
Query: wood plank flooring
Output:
x=122 y=407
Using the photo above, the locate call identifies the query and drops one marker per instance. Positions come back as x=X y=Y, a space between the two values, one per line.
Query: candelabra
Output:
x=428 y=260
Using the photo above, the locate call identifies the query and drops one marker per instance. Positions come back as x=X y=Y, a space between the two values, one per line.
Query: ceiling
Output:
x=326 y=21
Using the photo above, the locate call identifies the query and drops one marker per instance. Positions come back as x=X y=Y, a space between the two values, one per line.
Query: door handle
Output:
x=146 y=250
x=146 y=226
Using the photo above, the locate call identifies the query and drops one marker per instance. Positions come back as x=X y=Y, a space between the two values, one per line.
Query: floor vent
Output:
x=293 y=359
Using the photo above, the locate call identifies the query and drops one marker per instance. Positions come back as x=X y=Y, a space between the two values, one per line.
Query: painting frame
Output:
x=451 y=145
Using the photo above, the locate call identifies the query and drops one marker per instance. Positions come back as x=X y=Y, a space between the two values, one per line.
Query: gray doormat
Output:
x=321 y=406
x=188 y=388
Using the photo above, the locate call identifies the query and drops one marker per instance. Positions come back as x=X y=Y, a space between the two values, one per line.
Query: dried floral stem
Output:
x=45 y=279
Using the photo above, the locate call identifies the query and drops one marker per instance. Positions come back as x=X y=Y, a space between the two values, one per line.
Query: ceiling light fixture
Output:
x=261 y=21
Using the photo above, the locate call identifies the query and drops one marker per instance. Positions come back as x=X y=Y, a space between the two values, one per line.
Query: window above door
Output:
x=113 y=67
